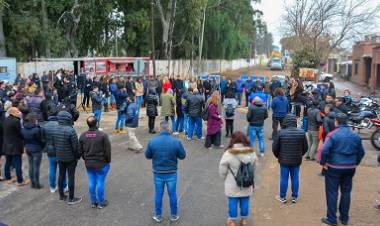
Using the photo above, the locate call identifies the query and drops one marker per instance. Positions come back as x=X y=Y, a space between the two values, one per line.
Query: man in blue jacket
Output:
x=132 y=122
x=223 y=87
x=165 y=151
x=342 y=152
x=280 y=109
x=239 y=87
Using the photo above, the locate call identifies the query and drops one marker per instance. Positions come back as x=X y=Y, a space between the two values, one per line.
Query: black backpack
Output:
x=245 y=175
x=230 y=110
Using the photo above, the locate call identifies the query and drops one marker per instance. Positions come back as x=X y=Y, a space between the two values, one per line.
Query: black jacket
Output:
x=12 y=138
x=65 y=139
x=194 y=105
x=32 y=135
x=256 y=115
x=95 y=149
x=314 y=119
x=47 y=130
x=2 y=117
x=96 y=99
x=290 y=144
x=328 y=123
x=151 y=105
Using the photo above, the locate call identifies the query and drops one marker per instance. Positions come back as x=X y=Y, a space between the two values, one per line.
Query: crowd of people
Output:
x=38 y=114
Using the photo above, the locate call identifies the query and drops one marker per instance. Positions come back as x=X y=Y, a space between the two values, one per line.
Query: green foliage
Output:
x=303 y=58
x=110 y=27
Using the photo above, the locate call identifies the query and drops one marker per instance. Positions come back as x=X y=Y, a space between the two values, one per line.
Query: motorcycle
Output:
x=375 y=137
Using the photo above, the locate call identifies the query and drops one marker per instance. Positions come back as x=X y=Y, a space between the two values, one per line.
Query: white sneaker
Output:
x=262 y=154
x=66 y=189
x=100 y=129
x=175 y=133
x=53 y=190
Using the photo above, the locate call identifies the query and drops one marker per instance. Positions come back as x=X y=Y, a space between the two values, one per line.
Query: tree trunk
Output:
x=3 y=52
x=45 y=27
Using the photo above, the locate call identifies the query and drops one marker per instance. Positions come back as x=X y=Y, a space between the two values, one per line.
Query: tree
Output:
x=3 y=5
x=323 y=25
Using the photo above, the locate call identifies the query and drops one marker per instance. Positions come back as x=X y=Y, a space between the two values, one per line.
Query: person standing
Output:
x=314 y=121
x=238 y=152
x=151 y=109
x=48 y=129
x=87 y=89
x=96 y=99
x=179 y=125
x=239 y=87
x=248 y=89
x=121 y=106
x=139 y=92
x=66 y=143
x=132 y=122
x=280 y=107
x=164 y=151
x=230 y=105
x=214 y=124
x=342 y=152
x=13 y=146
x=194 y=108
x=95 y=149
x=257 y=113
x=130 y=86
x=168 y=106
x=32 y=136
x=288 y=147
x=223 y=87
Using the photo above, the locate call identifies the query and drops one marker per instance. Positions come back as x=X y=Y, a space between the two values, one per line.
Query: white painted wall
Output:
x=177 y=67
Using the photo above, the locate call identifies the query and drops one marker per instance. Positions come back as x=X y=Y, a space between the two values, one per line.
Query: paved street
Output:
x=200 y=190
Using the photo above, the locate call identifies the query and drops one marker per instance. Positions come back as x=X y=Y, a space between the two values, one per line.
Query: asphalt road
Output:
x=129 y=189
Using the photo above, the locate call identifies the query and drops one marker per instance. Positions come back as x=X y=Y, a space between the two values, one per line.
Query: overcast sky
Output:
x=273 y=9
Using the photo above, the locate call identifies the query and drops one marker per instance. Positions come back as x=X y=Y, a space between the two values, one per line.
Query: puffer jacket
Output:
x=231 y=159
x=168 y=104
x=233 y=103
x=132 y=118
x=95 y=149
x=290 y=144
x=314 y=117
x=65 y=139
x=120 y=98
x=280 y=107
x=257 y=114
x=47 y=131
x=194 y=105
x=32 y=138
x=343 y=149
x=328 y=124
x=96 y=100
x=151 y=105
x=34 y=103
x=12 y=137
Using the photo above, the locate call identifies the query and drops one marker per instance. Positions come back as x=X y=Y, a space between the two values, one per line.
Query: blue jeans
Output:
x=185 y=123
x=120 y=121
x=233 y=203
x=139 y=100
x=96 y=183
x=195 y=123
x=34 y=159
x=170 y=181
x=294 y=172
x=172 y=118
x=53 y=164
x=16 y=162
x=336 y=179
x=254 y=131
x=238 y=97
x=179 y=124
x=113 y=101
x=98 y=115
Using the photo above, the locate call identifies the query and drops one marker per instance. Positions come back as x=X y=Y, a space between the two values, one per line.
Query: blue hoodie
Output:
x=280 y=106
x=239 y=86
x=343 y=149
x=223 y=86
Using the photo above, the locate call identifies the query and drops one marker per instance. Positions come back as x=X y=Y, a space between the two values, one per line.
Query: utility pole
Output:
x=152 y=38
x=201 y=40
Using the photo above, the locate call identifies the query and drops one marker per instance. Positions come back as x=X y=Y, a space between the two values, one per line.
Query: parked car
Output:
x=276 y=64
x=325 y=77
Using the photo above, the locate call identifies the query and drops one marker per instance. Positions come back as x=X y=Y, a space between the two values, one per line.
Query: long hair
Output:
x=238 y=137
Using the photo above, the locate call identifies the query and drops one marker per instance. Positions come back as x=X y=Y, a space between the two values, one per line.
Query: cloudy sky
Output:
x=273 y=9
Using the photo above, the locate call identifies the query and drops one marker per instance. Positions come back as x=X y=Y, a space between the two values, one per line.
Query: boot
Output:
x=117 y=131
x=243 y=222
x=231 y=223
x=122 y=131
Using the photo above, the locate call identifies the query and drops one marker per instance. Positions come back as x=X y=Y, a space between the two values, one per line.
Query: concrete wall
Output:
x=181 y=67
x=29 y=68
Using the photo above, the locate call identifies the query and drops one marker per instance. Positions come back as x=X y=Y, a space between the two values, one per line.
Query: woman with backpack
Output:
x=230 y=105
x=237 y=161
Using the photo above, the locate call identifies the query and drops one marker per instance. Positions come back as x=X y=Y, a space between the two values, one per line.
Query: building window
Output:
x=356 y=68
x=3 y=69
